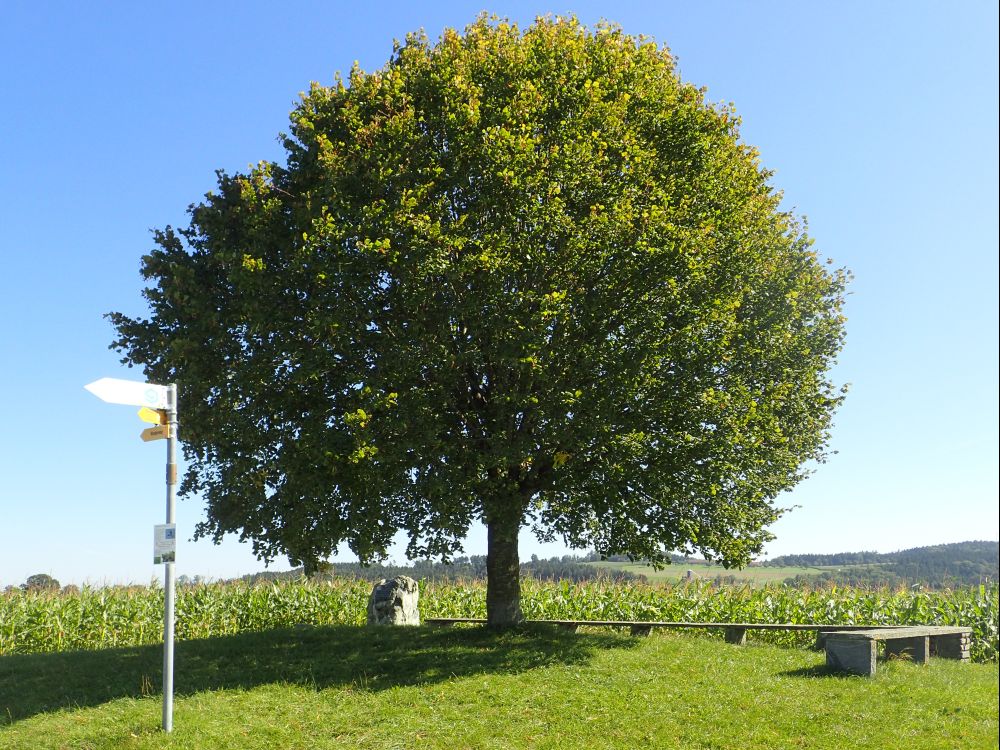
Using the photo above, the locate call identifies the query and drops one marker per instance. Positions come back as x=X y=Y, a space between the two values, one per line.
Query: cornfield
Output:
x=130 y=616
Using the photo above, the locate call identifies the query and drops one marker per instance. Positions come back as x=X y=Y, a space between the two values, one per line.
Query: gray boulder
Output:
x=394 y=602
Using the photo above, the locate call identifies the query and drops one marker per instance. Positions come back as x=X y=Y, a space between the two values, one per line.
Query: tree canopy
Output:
x=528 y=277
x=40 y=582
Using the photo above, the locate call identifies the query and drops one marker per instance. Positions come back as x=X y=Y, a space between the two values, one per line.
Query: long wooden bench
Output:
x=856 y=651
x=850 y=648
x=735 y=632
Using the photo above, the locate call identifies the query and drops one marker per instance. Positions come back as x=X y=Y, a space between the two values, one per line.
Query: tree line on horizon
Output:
x=935 y=567
x=462 y=568
x=938 y=566
x=473 y=567
x=941 y=566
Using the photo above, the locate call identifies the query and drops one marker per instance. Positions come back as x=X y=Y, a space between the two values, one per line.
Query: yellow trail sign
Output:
x=153 y=416
x=161 y=432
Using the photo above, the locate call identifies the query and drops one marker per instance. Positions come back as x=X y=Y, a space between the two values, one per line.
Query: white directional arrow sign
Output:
x=130 y=392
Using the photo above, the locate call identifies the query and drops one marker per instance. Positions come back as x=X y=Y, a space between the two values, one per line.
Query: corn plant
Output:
x=130 y=616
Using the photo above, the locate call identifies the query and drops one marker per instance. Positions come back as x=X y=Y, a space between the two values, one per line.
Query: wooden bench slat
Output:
x=661 y=624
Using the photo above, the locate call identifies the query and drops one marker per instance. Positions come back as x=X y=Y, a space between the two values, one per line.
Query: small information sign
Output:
x=160 y=432
x=164 y=543
x=153 y=416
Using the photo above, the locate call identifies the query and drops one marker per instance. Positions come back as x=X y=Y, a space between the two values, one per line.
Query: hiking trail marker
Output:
x=159 y=407
x=153 y=416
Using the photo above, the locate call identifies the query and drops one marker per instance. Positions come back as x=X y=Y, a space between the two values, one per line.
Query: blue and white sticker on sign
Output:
x=164 y=543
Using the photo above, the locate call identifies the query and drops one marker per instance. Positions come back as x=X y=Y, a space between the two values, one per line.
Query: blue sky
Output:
x=879 y=120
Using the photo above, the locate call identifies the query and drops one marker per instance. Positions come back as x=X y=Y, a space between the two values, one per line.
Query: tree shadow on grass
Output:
x=827 y=672
x=818 y=670
x=374 y=659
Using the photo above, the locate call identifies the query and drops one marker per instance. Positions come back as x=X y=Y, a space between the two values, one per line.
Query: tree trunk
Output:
x=503 y=571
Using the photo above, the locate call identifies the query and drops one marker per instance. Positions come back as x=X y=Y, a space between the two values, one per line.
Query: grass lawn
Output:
x=349 y=687
x=678 y=571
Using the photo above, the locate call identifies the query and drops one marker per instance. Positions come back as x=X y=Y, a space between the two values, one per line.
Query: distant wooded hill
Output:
x=567 y=568
x=946 y=565
x=963 y=563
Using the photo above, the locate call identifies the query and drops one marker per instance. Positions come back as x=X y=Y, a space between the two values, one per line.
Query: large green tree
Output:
x=526 y=277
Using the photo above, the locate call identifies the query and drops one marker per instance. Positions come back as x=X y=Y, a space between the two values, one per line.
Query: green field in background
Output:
x=754 y=574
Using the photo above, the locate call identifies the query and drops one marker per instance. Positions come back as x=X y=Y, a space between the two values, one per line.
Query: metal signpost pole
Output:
x=168 y=568
x=159 y=406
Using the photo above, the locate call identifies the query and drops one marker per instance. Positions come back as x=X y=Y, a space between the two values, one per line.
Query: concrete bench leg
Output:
x=952 y=646
x=641 y=629
x=854 y=655
x=570 y=626
x=736 y=635
x=917 y=649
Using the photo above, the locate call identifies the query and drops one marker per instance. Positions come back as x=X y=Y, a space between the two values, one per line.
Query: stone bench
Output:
x=856 y=651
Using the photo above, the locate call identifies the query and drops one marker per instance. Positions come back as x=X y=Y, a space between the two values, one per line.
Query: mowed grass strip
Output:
x=381 y=688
